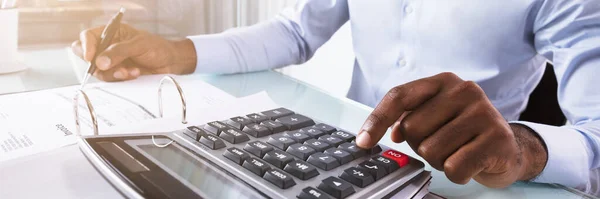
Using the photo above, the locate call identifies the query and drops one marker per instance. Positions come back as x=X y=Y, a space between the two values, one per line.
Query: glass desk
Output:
x=65 y=173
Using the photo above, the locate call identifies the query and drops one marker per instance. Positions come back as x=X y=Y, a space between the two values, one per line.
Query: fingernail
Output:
x=119 y=75
x=363 y=140
x=135 y=72
x=103 y=62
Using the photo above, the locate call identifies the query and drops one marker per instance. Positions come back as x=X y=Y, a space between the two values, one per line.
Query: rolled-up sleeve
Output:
x=567 y=32
x=290 y=38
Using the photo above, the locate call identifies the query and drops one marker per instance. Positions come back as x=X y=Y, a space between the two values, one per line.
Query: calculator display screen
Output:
x=201 y=176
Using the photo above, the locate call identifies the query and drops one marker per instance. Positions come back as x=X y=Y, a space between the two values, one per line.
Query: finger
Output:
x=438 y=111
x=397 y=136
x=467 y=162
x=116 y=53
x=76 y=49
x=399 y=99
x=436 y=148
x=118 y=73
x=89 y=40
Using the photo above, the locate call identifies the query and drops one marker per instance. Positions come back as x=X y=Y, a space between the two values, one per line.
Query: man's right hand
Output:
x=135 y=52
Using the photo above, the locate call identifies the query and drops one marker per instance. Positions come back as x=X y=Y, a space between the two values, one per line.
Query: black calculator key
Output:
x=331 y=140
x=301 y=170
x=257 y=118
x=336 y=187
x=215 y=127
x=274 y=126
x=233 y=136
x=297 y=136
x=256 y=130
x=375 y=170
x=212 y=141
x=389 y=165
x=356 y=151
x=256 y=166
x=323 y=161
x=258 y=148
x=342 y=156
x=312 y=132
x=239 y=122
x=325 y=128
x=278 y=158
x=296 y=121
x=236 y=155
x=343 y=135
x=279 y=178
x=300 y=151
x=280 y=141
x=357 y=176
x=319 y=146
x=194 y=132
x=277 y=113
x=375 y=150
x=312 y=193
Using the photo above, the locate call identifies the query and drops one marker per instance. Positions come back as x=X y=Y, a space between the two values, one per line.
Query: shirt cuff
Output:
x=568 y=162
x=215 y=54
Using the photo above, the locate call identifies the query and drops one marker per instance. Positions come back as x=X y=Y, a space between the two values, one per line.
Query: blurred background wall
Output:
x=50 y=22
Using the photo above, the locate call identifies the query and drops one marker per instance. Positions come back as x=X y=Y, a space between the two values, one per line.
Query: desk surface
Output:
x=65 y=173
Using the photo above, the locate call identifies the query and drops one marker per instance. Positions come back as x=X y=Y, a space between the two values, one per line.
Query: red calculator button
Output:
x=400 y=158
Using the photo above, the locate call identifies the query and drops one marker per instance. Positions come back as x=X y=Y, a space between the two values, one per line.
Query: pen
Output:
x=107 y=35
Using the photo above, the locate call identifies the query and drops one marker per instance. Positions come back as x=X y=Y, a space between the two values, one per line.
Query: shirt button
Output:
x=402 y=62
x=408 y=9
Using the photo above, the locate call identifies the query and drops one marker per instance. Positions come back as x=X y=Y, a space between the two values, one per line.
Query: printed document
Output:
x=43 y=120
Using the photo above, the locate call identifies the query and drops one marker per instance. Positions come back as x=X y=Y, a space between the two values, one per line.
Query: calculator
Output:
x=272 y=154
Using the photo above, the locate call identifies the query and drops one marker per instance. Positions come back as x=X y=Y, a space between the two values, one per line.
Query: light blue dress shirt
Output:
x=501 y=45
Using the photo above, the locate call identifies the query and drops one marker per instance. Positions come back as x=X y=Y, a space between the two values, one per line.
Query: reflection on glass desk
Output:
x=51 y=68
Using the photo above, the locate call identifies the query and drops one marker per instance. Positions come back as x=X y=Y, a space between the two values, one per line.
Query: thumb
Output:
x=116 y=53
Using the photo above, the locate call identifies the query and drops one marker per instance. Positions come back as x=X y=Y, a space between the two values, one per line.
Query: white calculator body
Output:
x=273 y=154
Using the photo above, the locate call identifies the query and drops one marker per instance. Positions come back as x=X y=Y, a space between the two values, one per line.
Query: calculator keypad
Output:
x=236 y=155
x=336 y=187
x=258 y=148
x=319 y=146
x=279 y=178
x=312 y=131
x=323 y=161
x=211 y=141
x=325 y=128
x=215 y=127
x=274 y=126
x=353 y=149
x=343 y=135
x=297 y=136
x=256 y=166
x=278 y=158
x=280 y=141
x=312 y=193
x=357 y=176
x=256 y=130
x=331 y=140
x=301 y=170
x=300 y=151
x=296 y=121
x=375 y=170
x=239 y=122
x=342 y=156
x=233 y=136
x=288 y=146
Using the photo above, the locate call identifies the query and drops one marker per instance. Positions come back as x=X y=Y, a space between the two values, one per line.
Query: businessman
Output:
x=450 y=78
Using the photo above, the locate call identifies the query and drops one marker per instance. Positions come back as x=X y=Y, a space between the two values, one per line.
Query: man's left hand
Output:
x=453 y=126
